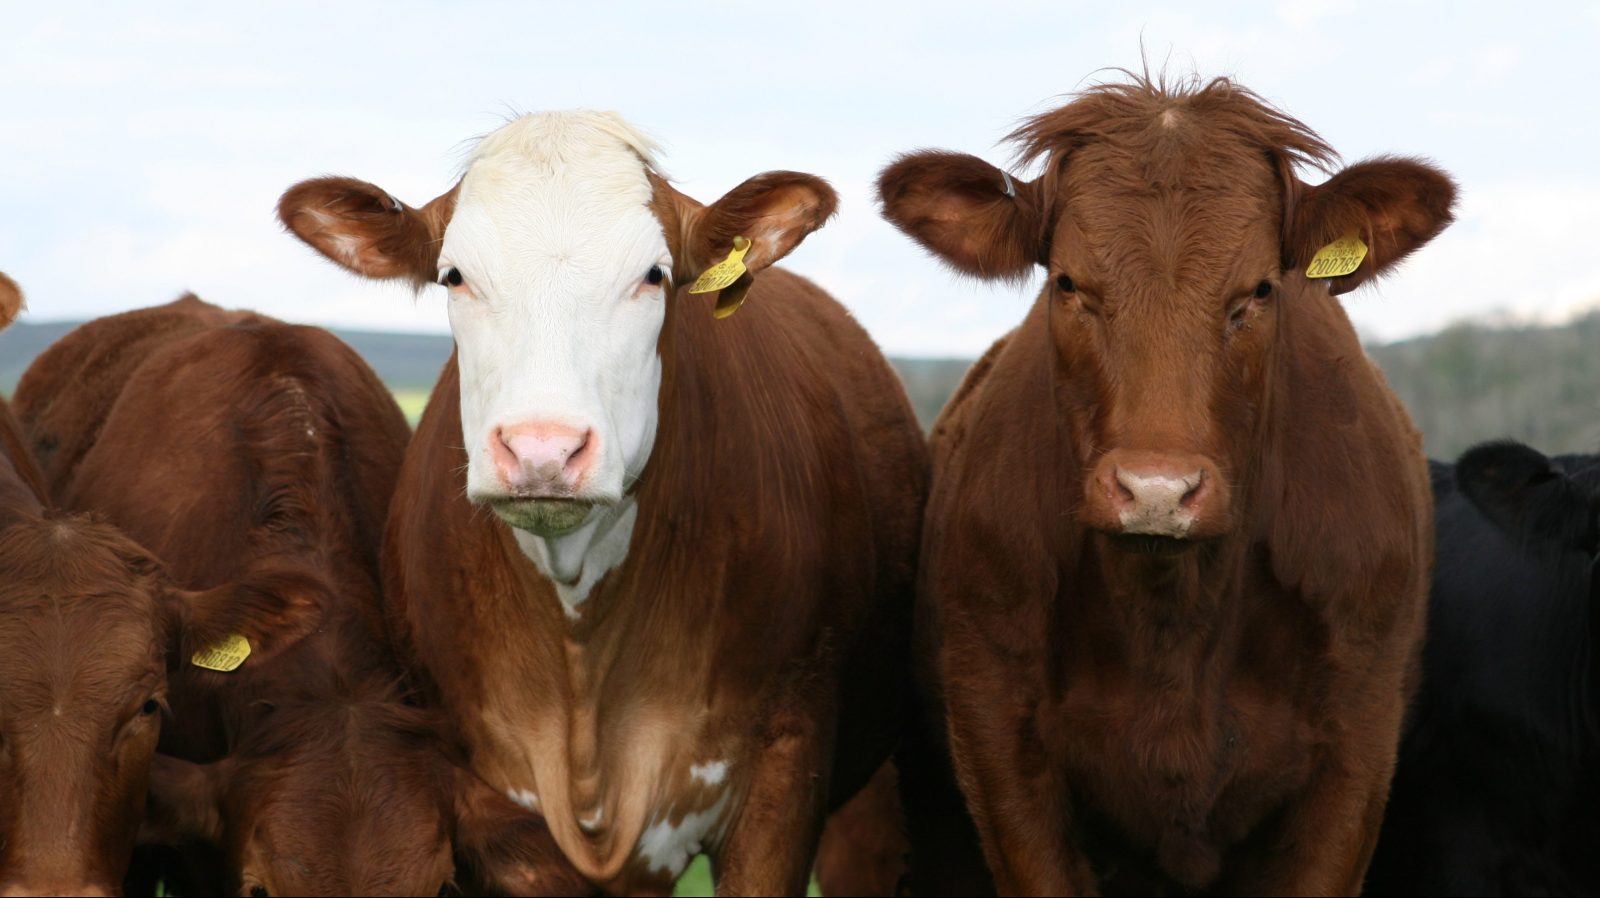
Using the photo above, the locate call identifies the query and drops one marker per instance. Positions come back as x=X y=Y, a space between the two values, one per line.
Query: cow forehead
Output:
x=1169 y=232
x=573 y=185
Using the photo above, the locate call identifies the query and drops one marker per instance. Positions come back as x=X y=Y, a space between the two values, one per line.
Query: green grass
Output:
x=412 y=402
x=696 y=881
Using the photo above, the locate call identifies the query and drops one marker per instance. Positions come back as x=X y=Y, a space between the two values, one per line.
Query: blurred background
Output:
x=144 y=147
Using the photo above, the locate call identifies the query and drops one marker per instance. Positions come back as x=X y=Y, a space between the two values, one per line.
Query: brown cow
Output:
x=1177 y=551
x=88 y=628
x=663 y=590
x=236 y=446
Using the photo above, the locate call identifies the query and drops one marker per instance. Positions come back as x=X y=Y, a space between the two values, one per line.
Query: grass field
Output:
x=412 y=402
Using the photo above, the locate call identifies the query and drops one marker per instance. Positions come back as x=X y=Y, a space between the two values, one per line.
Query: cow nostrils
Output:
x=543 y=460
x=1156 y=494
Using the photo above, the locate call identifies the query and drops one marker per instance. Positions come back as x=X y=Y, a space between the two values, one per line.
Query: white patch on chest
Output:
x=712 y=774
x=524 y=797
x=667 y=848
x=576 y=561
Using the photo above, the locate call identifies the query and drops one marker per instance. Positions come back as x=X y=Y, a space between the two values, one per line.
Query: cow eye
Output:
x=1263 y=290
x=1064 y=284
x=451 y=278
x=150 y=707
x=655 y=276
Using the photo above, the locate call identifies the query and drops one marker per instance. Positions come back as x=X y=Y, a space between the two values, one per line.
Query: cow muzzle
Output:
x=1174 y=496
x=543 y=467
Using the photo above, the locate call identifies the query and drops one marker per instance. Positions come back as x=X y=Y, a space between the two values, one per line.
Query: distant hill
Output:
x=1466 y=384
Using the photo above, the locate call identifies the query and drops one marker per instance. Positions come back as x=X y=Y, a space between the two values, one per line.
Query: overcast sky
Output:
x=144 y=145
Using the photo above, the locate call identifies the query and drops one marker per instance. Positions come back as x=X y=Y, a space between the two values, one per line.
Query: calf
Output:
x=89 y=628
x=1497 y=791
x=236 y=446
x=1176 y=557
x=657 y=565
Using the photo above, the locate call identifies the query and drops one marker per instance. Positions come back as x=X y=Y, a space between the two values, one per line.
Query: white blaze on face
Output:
x=554 y=321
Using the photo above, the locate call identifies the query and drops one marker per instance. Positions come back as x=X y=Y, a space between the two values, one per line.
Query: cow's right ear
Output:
x=365 y=229
x=978 y=219
x=1529 y=496
x=10 y=300
x=184 y=802
x=273 y=610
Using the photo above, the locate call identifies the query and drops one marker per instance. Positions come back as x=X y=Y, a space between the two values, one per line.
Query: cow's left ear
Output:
x=1394 y=205
x=1529 y=497
x=773 y=211
x=10 y=300
x=272 y=610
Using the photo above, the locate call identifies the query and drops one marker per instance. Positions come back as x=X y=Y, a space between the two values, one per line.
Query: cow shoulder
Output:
x=66 y=394
x=1346 y=506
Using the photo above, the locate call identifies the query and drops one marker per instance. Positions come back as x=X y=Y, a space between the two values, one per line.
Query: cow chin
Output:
x=543 y=517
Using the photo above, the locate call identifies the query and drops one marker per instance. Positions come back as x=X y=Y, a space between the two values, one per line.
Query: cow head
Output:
x=560 y=247
x=1530 y=497
x=88 y=628
x=331 y=797
x=1173 y=233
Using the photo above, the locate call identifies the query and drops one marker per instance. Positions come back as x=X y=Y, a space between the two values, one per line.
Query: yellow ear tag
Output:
x=224 y=656
x=1338 y=258
x=725 y=272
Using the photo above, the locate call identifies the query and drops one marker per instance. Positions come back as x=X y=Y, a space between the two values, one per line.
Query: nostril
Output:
x=1196 y=493
x=1121 y=492
x=580 y=453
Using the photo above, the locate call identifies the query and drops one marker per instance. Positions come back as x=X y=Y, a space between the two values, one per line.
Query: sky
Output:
x=145 y=145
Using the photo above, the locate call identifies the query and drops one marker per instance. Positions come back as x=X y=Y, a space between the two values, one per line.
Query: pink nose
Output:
x=541 y=460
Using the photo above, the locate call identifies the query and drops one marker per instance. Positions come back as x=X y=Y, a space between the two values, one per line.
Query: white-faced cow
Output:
x=656 y=565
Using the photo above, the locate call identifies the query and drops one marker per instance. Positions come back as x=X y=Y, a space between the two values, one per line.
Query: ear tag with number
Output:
x=1338 y=258
x=725 y=272
x=224 y=656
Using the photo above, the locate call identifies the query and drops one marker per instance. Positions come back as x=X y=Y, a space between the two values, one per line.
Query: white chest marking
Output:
x=524 y=797
x=712 y=774
x=576 y=561
x=669 y=848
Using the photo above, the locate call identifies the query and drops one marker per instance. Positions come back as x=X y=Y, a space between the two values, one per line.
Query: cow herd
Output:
x=1170 y=600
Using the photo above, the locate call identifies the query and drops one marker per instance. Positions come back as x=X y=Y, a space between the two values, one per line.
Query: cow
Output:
x=1175 y=560
x=1495 y=789
x=89 y=623
x=235 y=446
x=656 y=561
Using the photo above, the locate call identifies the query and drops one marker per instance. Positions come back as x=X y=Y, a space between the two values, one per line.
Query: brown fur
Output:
x=761 y=614
x=89 y=625
x=1222 y=717
x=238 y=447
x=863 y=847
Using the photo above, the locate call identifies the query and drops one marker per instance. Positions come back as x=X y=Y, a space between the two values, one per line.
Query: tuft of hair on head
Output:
x=1165 y=100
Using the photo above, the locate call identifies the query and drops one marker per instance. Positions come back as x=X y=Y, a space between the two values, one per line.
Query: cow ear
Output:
x=773 y=211
x=184 y=802
x=504 y=849
x=366 y=230
x=1529 y=496
x=10 y=300
x=975 y=217
x=272 y=610
x=1394 y=205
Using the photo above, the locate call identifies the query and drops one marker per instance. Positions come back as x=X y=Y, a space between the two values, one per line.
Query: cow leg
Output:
x=769 y=851
x=1016 y=793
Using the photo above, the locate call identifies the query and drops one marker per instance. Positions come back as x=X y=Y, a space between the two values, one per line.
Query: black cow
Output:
x=1497 y=791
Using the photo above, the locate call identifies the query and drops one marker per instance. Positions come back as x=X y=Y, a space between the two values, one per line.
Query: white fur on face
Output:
x=554 y=324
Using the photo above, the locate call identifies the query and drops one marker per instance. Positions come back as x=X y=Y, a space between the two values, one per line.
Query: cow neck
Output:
x=575 y=562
